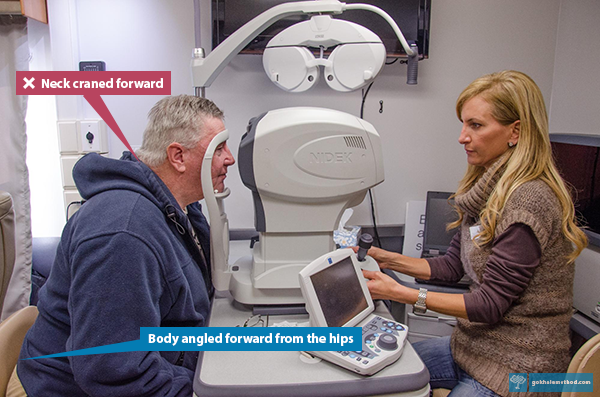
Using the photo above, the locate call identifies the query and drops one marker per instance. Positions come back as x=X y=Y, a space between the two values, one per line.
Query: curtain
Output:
x=14 y=176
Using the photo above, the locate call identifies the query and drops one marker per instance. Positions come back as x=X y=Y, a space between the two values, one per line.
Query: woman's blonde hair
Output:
x=514 y=96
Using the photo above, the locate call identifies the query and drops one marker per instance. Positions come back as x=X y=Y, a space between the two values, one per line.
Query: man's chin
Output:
x=219 y=188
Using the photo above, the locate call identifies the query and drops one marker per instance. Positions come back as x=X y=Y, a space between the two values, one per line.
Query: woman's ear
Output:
x=175 y=153
x=515 y=132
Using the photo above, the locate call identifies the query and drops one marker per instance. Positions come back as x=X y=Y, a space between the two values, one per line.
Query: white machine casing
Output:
x=356 y=59
x=305 y=166
x=383 y=339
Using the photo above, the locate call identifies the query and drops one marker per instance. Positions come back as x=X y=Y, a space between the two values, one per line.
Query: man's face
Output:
x=222 y=158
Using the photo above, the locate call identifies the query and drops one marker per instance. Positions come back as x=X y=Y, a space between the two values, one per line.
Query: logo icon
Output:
x=516 y=382
x=28 y=83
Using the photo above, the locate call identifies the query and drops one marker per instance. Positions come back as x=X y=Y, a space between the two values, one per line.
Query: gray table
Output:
x=229 y=373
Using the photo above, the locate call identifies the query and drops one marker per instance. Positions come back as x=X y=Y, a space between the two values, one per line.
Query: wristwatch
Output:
x=420 y=307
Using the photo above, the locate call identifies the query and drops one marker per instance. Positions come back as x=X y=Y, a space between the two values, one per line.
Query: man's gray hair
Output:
x=175 y=119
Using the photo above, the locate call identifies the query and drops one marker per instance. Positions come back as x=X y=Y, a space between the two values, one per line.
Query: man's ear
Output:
x=516 y=131
x=175 y=152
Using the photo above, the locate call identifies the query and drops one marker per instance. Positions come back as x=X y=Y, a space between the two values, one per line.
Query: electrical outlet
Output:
x=92 y=136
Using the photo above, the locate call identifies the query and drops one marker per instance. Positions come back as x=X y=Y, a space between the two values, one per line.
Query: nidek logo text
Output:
x=330 y=157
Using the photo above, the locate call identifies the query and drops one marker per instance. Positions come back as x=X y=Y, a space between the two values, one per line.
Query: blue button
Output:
x=383 y=329
x=352 y=355
x=391 y=325
x=399 y=327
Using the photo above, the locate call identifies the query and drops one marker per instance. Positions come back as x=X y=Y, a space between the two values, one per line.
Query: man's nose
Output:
x=229 y=160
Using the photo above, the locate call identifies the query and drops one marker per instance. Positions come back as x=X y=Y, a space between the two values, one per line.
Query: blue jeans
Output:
x=443 y=371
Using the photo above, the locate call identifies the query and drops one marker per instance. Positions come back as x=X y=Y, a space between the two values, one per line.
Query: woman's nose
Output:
x=464 y=136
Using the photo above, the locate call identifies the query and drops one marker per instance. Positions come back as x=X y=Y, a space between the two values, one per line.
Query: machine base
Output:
x=243 y=291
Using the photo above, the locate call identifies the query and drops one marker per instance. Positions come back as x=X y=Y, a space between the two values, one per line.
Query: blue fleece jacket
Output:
x=127 y=259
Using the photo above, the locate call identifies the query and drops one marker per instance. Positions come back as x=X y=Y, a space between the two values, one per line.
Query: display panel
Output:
x=339 y=293
x=412 y=16
x=577 y=158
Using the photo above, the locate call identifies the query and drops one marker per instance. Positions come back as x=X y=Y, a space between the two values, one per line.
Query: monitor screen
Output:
x=339 y=293
x=577 y=158
x=438 y=213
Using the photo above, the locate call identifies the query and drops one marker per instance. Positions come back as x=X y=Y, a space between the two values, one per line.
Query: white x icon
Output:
x=28 y=82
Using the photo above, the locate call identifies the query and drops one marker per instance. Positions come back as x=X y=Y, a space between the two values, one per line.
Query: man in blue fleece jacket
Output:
x=135 y=255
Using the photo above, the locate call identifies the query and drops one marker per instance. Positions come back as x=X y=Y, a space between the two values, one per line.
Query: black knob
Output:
x=364 y=243
x=387 y=342
x=90 y=137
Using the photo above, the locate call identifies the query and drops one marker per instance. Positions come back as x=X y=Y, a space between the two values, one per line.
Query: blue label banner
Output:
x=557 y=382
x=234 y=339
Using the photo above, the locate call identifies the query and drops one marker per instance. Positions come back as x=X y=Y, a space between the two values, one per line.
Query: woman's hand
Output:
x=416 y=267
x=384 y=258
x=383 y=286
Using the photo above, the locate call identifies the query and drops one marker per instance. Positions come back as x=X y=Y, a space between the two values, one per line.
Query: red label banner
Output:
x=96 y=83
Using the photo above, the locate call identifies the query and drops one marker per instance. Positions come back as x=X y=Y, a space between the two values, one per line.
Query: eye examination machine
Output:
x=304 y=165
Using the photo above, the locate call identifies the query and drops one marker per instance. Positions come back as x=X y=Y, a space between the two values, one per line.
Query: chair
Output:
x=7 y=243
x=12 y=333
x=586 y=360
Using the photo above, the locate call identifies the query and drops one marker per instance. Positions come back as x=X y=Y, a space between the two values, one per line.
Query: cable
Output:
x=69 y=206
x=362 y=108
x=374 y=221
x=364 y=98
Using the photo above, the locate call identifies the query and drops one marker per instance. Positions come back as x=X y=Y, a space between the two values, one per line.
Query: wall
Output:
x=576 y=88
x=419 y=128
x=47 y=210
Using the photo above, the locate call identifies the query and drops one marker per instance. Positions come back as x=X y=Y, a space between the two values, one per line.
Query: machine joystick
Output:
x=364 y=243
x=387 y=342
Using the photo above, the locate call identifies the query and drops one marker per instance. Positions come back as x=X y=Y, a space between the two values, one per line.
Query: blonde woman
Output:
x=516 y=238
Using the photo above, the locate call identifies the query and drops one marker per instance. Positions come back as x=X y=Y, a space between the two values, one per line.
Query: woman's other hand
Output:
x=382 y=286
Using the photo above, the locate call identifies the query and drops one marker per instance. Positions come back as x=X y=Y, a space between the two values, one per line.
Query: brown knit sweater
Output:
x=533 y=335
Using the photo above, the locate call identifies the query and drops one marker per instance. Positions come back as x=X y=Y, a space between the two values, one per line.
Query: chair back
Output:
x=12 y=334
x=586 y=360
x=7 y=243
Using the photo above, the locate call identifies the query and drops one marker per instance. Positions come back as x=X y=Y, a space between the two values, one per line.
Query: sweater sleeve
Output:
x=448 y=268
x=117 y=287
x=515 y=254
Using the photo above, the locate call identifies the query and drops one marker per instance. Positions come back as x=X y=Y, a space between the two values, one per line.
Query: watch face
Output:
x=419 y=309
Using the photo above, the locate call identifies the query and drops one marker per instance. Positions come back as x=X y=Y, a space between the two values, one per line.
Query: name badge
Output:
x=475 y=230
